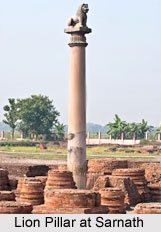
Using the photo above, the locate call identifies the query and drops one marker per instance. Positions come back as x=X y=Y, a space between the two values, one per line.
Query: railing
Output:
x=102 y=140
x=91 y=138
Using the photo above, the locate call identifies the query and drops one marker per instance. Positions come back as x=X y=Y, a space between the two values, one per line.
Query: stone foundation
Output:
x=114 y=199
x=59 y=180
x=68 y=200
x=152 y=170
x=13 y=207
x=137 y=176
x=19 y=170
x=155 y=190
x=106 y=165
x=132 y=196
x=43 y=209
x=148 y=208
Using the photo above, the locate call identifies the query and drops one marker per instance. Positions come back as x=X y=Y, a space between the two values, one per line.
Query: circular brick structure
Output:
x=114 y=199
x=59 y=180
x=21 y=181
x=148 y=208
x=138 y=177
x=4 y=182
x=70 y=198
x=32 y=192
x=62 y=167
x=7 y=196
x=18 y=189
x=13 y=207
x=43 y=179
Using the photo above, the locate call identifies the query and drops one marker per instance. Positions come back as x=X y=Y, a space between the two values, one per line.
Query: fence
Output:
x=91 y=139
x=101 y=140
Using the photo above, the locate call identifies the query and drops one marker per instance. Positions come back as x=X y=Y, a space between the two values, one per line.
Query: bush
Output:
x=19 y=143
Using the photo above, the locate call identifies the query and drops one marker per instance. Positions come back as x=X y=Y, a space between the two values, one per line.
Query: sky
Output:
x=123 y=56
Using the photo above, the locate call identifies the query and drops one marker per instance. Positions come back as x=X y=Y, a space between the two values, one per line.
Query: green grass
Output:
x=64 y=157
x=103 y=151
x=58 y=152
x=124 y=154
x=55 y=150
x=38 y=156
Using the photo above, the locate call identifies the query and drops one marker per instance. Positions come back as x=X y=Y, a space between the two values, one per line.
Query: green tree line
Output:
x=116 y=128
x=36 y=115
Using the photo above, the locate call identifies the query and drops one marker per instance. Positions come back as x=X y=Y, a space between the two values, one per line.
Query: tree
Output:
x=37 y=115
x=59 y=129
x=129 y=129
x=132 y=128
x=23 y=128
x=115 y=129
x=11 y=115
x=143 y=128
x=158 y=130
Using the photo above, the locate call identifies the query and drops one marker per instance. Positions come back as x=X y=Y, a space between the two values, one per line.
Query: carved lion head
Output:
x=85 y=8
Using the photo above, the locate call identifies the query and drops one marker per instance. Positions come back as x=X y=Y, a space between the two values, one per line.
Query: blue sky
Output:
x=123 y=56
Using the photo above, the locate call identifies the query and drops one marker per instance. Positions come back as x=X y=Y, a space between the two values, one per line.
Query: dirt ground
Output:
x=4 y=159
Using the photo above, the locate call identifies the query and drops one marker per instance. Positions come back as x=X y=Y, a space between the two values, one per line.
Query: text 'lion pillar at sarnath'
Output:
x=76 y=159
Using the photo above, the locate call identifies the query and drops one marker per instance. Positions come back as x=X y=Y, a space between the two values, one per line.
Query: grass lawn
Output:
x=64 y=157
x=55 y=150
x=61 y=153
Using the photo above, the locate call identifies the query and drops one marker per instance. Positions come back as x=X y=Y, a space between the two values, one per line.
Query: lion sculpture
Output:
x=80 y=19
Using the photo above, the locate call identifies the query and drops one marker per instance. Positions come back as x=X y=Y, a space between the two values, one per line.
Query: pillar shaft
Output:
x=77 y=91
x=76 y=159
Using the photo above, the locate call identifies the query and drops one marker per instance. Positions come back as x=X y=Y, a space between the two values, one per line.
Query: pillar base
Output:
x=76 y=160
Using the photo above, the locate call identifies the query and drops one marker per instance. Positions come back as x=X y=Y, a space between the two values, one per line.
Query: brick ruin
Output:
x=113 y=186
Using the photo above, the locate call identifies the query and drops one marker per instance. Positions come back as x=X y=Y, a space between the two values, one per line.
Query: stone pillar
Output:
x=146 y=135
x=76 y=158
x=122 y=136
x=54 y=136
x=21 y=135
x=88 y=137
x=2 y=135
x=99 y=137
x=159 y=137
x=44 y=137
x=134 y=137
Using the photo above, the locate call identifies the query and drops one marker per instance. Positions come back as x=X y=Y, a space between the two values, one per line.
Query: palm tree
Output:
x=116 y=128
x=59 y=128
x=132 y=128
x=158 y=130
x=143 y=128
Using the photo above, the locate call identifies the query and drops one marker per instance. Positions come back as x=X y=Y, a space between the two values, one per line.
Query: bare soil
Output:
x=8 y=159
